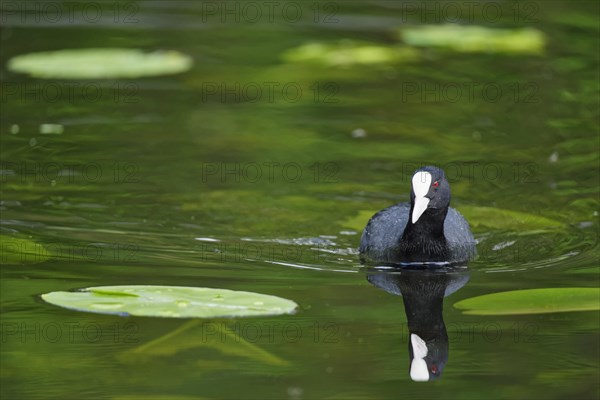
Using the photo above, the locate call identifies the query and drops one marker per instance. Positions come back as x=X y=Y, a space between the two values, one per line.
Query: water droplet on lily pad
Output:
x=108 y=63
x=171 y=302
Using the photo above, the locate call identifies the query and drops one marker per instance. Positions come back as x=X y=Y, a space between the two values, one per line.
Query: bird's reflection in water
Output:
x=423 y=292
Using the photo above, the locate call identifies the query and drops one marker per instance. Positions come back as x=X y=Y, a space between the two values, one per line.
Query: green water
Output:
x=244 y=173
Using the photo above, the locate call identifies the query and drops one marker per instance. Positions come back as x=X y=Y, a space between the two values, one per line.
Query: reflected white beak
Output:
x=418 y=366
x=418 y=370
x=421 y=182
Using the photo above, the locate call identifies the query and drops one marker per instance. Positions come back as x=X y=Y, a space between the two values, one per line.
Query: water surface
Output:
x=210 y=178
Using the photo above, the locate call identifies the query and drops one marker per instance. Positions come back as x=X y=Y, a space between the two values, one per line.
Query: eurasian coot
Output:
x=426 y=230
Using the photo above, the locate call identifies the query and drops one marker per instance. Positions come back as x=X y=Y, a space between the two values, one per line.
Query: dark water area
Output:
x=255 y=172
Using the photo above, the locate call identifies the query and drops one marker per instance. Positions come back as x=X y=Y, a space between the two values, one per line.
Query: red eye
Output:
x=435 y=184
x=434 y=369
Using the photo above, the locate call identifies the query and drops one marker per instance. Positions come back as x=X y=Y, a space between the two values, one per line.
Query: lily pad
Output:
x=171 y=302
x=532 y=301
x=100 y=63
x=475 y=39
x=15 y=250
x=348 y=53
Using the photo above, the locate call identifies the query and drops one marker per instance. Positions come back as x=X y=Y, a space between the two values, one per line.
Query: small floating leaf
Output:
x=21 y=251
x=171 y=301
x=51 y=129
x=532 y=301
x=348 y=53
x=475 y=39
x=100 y=63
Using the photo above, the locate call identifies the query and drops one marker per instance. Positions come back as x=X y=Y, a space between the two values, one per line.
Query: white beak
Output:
x=421 y=182
x=420 y=207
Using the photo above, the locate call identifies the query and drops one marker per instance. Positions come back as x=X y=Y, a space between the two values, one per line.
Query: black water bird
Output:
x=425 y=230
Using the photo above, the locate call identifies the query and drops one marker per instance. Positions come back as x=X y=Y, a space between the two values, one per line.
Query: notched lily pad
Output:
x=100 y=63
x=532 y=301
x=171 y=302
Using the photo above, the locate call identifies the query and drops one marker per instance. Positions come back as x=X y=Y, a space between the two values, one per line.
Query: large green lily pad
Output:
x=171 y=302
x=100 y=63
x=532 y=301
x=475 y=39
